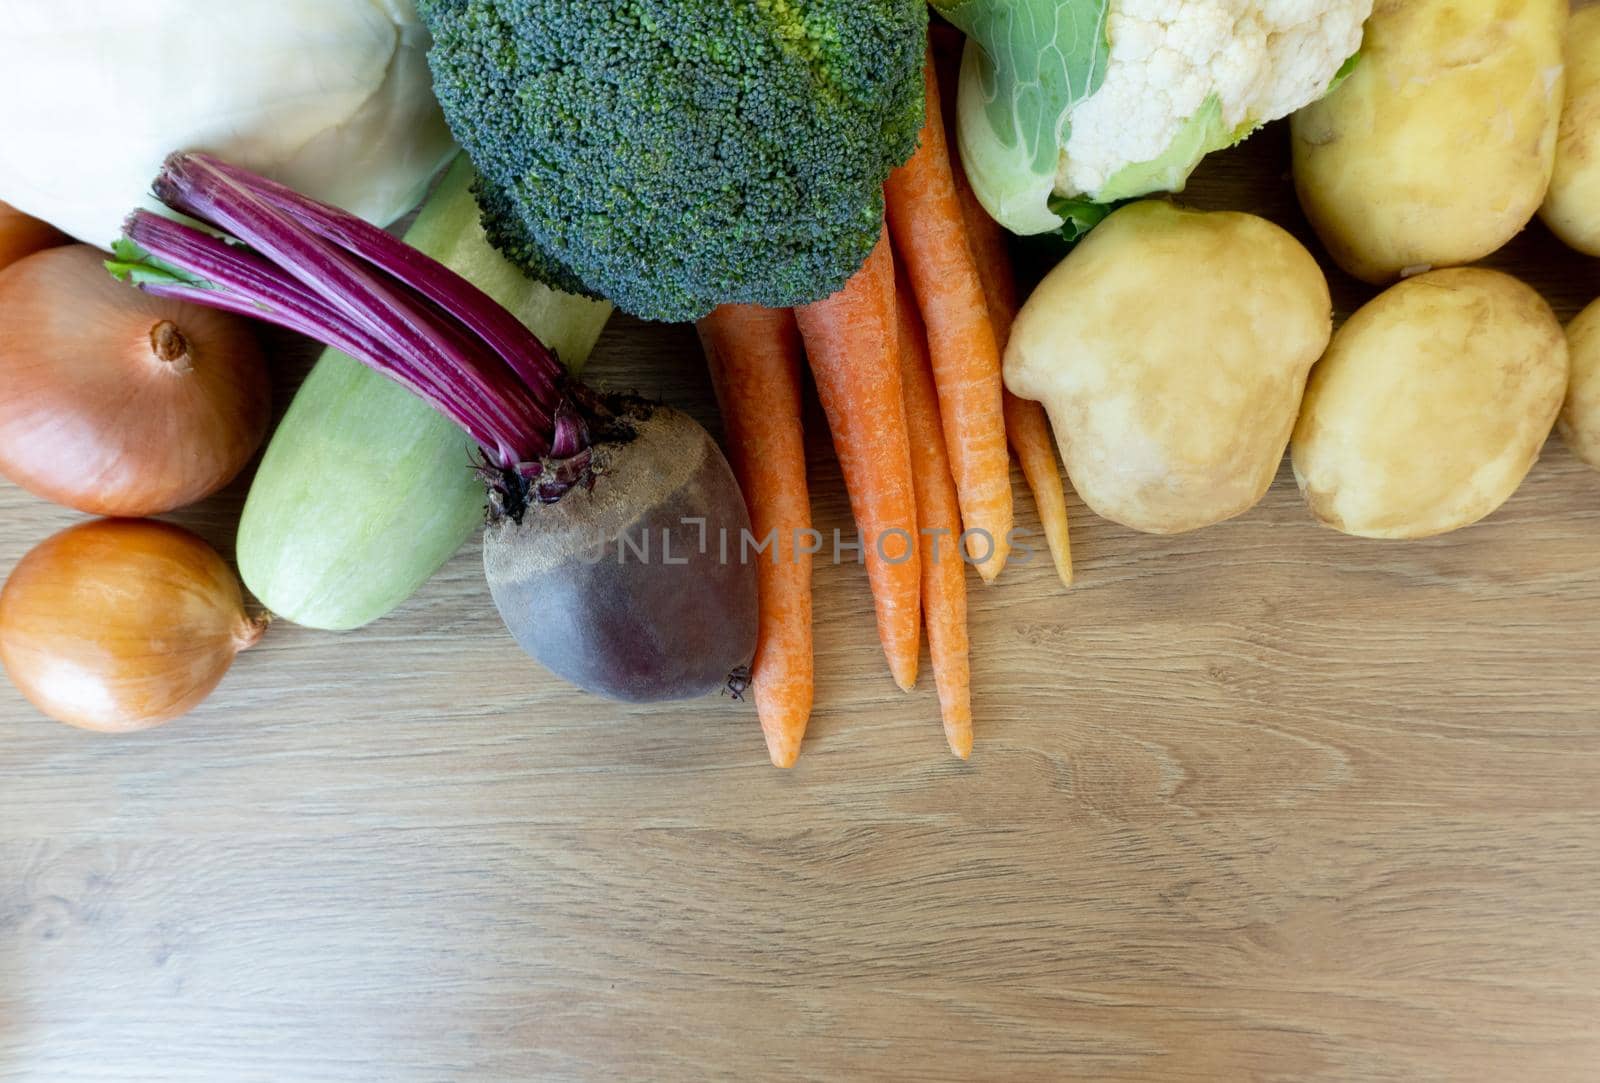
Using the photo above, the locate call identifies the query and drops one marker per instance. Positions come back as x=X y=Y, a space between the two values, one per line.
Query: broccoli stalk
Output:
x=674 y=155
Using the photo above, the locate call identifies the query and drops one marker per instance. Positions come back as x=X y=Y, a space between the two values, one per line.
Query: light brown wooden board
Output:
x=1256 y=802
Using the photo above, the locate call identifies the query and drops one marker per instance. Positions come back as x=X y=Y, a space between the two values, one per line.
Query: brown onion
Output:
x=116 y=403
x=23 y=236
x=121 y=624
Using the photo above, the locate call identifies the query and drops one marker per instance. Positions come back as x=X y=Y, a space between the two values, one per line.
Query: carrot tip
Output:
x=989 y=570
x=1064 y=572
x=783 y=757
x=784 y=746
x=960 y=744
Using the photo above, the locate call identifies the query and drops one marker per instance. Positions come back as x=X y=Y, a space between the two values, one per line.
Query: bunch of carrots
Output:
x=906 y=360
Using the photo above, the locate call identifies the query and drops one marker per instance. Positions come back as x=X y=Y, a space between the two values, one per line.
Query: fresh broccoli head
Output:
x=674 y=155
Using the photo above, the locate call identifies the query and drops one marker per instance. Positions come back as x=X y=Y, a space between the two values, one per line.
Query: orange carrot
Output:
x=1026 y=423
x=853 y=346
x=1034 y=443
x=944 y=580
x=925 y=218
x=755 y=358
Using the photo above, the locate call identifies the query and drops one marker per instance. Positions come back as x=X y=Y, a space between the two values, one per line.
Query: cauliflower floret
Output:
x=1170 y=58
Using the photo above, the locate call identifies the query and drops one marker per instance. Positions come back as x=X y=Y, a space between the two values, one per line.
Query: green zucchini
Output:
x=365 y=490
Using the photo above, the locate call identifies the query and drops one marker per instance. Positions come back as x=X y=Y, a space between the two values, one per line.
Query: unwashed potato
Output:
x=1438 y=148
x=1431 y=405
x=1171 y=349
x=1580 y=417
x=1572 y=207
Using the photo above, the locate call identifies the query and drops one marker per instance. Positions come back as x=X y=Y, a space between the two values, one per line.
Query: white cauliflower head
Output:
x=1101 y=100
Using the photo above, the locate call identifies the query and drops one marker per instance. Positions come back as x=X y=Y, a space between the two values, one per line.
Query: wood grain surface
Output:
x=1259 y=802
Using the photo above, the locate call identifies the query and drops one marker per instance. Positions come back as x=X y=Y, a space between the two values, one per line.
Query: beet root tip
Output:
x=738 y=684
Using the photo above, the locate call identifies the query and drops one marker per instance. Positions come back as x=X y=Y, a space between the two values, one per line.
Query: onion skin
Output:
x=116 y=403
x=21 y=236
x=120 y=625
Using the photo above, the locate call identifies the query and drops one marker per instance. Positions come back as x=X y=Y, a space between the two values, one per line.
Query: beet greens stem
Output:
x=226 y=276
x=194 y=185
x=319 y=271
x=518 y=347
x=236 y=279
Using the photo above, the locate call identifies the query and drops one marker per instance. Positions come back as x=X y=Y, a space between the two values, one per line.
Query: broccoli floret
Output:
x=673 y=155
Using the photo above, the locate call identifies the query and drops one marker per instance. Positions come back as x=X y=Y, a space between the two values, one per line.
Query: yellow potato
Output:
x=1171 y=349
x=1580 y=417
x=1572 y=206
x=1431 y=405
x=1438 y=148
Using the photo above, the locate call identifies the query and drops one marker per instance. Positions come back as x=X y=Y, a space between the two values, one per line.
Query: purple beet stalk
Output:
x=324 y=273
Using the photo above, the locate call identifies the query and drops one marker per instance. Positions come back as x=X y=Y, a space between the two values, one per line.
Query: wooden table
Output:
x=1256 y=802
